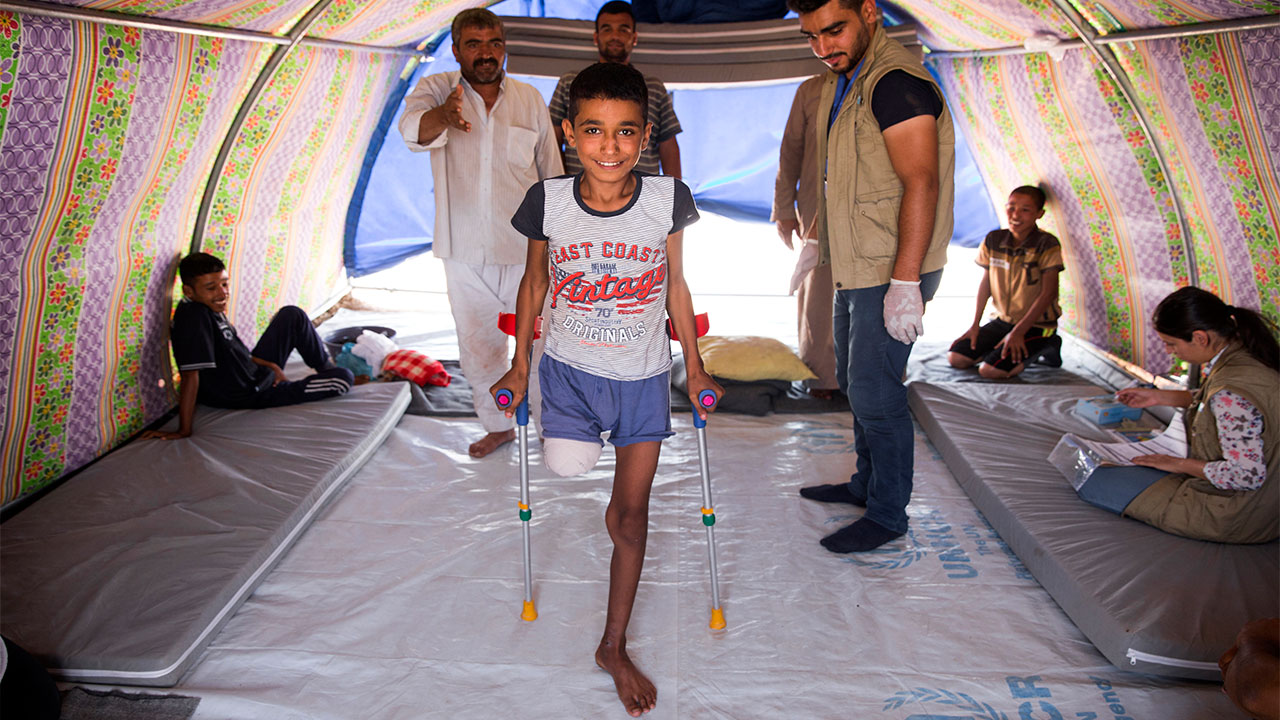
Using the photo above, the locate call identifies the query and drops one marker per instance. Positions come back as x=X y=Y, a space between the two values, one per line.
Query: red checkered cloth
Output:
x=416 y=367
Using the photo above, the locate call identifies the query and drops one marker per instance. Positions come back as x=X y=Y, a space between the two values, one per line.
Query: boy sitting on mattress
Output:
x=1021 y=279
x=607 y=244
x=217 y=368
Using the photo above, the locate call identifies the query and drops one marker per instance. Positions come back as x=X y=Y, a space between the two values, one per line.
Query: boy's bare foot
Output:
x=635 y=691
x=491 y=442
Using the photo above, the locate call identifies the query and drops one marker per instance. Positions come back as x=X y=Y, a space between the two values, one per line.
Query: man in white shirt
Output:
x=490 y=139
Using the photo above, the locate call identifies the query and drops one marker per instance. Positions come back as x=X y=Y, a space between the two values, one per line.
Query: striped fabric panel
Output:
x=1132 y=14
x=110 y=337
x=280 y=204
x=274 y=16
x=389 y=22
x=1227 y=103
x=55 y=273
x=108 y=205
x=28 y=142
x=315 y=279
x=964 y=25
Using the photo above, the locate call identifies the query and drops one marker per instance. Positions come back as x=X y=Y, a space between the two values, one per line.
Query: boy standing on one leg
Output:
x=607 y=244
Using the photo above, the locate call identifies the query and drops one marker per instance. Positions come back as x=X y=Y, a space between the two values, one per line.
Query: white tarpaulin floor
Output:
x=403 y=599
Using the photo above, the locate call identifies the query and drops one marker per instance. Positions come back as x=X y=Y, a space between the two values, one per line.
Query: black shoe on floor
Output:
x=838 y=493
x=1051 y=354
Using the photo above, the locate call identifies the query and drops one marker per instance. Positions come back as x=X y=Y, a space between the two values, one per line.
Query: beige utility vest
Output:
x=858 y=210
x=1193 y=507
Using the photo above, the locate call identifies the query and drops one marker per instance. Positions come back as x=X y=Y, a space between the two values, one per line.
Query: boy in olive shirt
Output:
x=1021 y=279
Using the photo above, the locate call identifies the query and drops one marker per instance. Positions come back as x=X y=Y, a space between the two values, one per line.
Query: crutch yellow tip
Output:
x=717 y=619
x=529 y=614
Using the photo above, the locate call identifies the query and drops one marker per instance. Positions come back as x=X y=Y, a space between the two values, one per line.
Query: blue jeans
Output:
x=1113 y=487
x=869 y=368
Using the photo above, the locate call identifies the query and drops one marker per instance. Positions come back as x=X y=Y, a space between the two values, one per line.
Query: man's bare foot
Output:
x=635 y=691
x=491 y=442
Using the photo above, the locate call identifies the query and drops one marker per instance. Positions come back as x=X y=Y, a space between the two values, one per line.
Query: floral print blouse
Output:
x=1239 y=422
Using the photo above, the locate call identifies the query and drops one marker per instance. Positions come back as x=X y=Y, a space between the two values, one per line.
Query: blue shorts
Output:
x=577 y=405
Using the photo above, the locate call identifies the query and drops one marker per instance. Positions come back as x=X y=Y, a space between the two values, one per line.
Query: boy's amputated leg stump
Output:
x=627 y=518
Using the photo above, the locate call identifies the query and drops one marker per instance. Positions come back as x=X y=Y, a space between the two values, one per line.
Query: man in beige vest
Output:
x=885 y=220
x=795 y=211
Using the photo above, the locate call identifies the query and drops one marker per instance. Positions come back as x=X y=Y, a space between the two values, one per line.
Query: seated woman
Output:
x=1228 y=488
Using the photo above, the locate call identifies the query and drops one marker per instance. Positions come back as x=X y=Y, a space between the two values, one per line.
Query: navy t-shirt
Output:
x=206 y=341
x=901 y=96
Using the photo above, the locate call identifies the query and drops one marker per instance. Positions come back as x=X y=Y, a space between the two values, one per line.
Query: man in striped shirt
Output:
x=615 y=38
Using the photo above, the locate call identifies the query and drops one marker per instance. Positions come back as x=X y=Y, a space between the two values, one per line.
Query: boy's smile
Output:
x=1022 y=212
x=211 y=290
x=609 y=135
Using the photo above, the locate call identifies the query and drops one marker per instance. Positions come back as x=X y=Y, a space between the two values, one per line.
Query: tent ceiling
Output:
x=948 y=24
x=682 y=55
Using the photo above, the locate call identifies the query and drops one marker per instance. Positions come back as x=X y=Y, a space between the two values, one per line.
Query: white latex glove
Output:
x=903 y=311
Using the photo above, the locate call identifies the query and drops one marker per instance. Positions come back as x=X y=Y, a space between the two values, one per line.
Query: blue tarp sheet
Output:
x=729 y=157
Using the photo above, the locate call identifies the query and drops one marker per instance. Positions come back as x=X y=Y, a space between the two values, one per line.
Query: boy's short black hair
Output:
x=197 y=264
x=616 y=7
x=1032 y=192
x=800 y=7
x=475 y=17
x=609 y=81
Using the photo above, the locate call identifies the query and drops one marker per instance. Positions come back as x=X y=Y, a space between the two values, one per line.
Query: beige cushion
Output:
x=749 y=358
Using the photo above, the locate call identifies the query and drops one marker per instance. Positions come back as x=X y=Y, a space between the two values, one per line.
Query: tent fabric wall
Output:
x=388 y=22
x=107 y=137
x=1064 y=124
x=264 y=16
x=280 y=204
x=109 y=134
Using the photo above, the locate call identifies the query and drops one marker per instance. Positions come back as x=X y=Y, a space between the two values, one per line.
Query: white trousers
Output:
x=477 y=294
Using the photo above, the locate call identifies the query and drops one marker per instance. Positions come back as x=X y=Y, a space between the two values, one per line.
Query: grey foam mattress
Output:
x=126 y=571
x=1149 y=601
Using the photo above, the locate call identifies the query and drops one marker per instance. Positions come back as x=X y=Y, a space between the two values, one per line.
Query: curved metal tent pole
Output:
x=1260 y=22
x=1108 y=59
x=246 y=106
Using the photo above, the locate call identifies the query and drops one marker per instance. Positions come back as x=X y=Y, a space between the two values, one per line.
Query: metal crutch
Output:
x=707 y=398
x=504 y=397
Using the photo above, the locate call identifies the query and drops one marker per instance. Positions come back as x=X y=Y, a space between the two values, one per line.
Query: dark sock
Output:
x=1051 y=355
x=837 y=493
x=861 y=536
